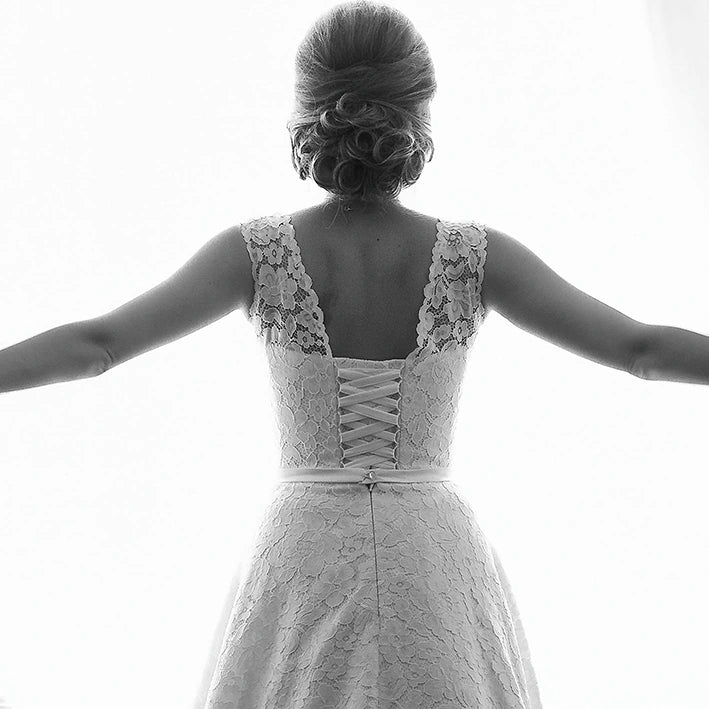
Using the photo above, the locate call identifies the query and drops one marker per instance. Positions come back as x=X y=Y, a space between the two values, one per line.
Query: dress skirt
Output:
x=383 y=596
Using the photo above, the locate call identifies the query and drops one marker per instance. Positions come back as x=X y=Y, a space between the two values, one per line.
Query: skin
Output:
x=363 y=258
x=344 y=253
x=341 y=252
x=368 y=269
x=358 y=260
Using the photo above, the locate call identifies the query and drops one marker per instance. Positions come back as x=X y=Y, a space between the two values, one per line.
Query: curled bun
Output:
x=361 y=127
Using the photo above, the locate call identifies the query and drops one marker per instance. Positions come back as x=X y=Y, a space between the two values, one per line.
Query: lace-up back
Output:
x=370 y=584
x=423 y=388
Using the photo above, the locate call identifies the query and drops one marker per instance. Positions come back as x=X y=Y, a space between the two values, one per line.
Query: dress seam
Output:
x=376 y=583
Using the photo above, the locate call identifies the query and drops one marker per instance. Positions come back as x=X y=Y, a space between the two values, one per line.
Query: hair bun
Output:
x=351 y=104
x=353 y=110
x=351 y=141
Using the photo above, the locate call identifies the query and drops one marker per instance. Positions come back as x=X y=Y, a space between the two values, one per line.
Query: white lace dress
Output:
x=376 y=596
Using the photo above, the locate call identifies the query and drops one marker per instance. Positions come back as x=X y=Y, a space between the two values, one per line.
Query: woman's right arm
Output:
x=524 y=290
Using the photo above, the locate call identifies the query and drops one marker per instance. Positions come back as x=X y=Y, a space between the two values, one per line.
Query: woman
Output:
x=370 y=583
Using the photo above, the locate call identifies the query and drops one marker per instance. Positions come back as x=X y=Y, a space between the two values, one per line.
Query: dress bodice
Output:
x=344 y=411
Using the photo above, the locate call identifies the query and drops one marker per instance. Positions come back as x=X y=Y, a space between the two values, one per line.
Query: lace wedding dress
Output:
x=370 y=584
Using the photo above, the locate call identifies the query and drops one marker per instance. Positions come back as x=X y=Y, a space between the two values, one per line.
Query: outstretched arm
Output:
x=62 y=354
x=213 y=282
x=523 y=289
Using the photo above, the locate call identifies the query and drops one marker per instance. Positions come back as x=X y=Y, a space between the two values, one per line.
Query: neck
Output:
x=337 y=206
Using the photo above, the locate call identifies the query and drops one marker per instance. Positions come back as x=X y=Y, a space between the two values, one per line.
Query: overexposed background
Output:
x=133 y=133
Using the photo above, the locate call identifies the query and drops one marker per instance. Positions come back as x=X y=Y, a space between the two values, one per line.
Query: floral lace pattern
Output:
x=389 y=599
x=287 y=317
x=284 y=307
x=370 y=597
x=452 y=311
x=304 y=398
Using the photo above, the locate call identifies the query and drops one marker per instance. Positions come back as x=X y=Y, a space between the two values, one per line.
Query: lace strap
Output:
x=477 y=259
x=285 y=308
x=452 y=309
x=282 y=309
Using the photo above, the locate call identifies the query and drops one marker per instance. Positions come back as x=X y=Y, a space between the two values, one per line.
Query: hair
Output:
x=361 y=123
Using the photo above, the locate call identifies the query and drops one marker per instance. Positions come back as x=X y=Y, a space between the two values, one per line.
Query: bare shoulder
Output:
x=520 y=286
x=215 y=280
x=505 y=257
x=233 y=254
x=515 y=276
x=220 y=272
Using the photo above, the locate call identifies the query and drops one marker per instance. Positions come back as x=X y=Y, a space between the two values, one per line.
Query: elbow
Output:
x=99 y=356
x=641 y=360
x=103 y=362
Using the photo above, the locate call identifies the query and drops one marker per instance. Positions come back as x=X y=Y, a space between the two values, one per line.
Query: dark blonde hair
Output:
x=361 y=123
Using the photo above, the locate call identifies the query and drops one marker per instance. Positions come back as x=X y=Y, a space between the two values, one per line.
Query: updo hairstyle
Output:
x=361 y=123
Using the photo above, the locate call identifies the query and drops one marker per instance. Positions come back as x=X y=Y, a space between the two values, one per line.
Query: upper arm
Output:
x=214 y=281
x=528 y=293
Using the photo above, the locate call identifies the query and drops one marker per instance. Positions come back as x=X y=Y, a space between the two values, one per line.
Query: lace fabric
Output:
x=284 y=299
x=306 y=387
x=383 y=596
x=414 y=616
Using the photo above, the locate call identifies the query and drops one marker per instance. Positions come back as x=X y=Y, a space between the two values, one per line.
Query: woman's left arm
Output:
x=214 y=281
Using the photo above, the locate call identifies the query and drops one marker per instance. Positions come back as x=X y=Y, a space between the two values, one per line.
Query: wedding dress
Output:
x=370 y=584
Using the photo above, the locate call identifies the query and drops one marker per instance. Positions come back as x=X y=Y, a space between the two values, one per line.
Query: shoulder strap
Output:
x=476 y=266
x=282 y=308
x=453 y=311
x=257 y=235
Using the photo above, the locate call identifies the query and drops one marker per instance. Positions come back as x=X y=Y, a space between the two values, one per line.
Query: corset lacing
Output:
x=369 y=416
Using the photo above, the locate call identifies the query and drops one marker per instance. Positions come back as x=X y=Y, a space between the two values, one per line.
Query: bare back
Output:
x=369 y=274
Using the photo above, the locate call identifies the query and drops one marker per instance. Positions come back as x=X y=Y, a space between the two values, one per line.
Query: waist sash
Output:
x=365 y=476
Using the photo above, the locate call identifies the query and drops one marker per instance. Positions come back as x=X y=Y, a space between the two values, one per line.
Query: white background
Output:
x=132 y=133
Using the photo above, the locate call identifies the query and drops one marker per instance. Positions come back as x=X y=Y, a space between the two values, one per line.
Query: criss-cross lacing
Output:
x=369 y=416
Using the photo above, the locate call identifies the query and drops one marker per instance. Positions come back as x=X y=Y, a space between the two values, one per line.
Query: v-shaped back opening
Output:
x=307 y=284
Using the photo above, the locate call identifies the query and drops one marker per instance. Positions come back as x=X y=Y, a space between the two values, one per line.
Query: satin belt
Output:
x=366 y=476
